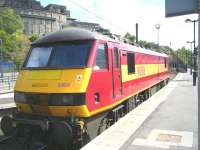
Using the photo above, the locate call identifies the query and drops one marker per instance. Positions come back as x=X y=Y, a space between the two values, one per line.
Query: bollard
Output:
x=194 y=78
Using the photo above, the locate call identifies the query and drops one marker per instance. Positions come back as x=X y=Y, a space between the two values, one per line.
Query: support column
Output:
x=198 y=56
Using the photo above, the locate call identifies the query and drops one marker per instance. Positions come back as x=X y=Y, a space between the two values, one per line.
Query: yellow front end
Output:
x=49 y=82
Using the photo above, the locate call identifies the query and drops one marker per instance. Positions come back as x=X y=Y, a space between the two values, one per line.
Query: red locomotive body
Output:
x=126 y=71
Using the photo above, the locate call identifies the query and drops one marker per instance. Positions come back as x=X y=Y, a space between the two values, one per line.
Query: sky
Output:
x=120 y=16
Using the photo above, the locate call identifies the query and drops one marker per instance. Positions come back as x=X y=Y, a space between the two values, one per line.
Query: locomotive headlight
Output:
x=19 y=97
x=61 y=99
x=67 y=99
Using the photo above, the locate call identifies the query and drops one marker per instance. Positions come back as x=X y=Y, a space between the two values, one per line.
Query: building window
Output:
x=116 y=60
x=131 y=63
x=101 y=58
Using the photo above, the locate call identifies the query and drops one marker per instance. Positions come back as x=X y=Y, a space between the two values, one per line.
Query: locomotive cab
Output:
x=62 y=73
x=54 y=75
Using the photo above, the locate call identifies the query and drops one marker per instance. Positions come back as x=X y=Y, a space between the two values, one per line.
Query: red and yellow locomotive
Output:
x=73 y=79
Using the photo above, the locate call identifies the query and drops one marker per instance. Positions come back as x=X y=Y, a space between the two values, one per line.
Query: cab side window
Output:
x=131 y=62
x=101 y=57
x=116 y=62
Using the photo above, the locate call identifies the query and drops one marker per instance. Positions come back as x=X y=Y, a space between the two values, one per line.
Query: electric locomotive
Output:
x=75 y=83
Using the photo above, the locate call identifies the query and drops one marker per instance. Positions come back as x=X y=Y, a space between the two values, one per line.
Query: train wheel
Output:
x=133 y=103
x=104 y=124
x=137 y=100
x=60 y=137
x=130 y=104
x=6 y=125
x=86 y=138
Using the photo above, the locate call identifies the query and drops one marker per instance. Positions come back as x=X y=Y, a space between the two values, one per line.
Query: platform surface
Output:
x=7 y=101
x=168 y=120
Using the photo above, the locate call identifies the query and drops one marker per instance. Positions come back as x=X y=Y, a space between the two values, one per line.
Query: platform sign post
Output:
x=198 y=54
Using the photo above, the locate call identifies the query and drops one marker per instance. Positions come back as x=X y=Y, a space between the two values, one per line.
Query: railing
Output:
x=7 y=81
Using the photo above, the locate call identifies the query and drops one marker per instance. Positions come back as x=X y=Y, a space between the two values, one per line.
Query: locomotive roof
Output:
x=141 y=50
x=77 y=34
x=69 y=34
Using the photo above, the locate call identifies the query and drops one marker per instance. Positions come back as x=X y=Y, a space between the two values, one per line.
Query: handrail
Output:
x=7 y=81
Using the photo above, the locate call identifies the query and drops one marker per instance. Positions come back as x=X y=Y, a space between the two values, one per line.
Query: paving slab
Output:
x=7 y=95
x=7 y=101
x=173 y=125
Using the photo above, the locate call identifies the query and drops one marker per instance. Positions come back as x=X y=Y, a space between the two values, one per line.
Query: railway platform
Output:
x=7 y=101
x=167 y=120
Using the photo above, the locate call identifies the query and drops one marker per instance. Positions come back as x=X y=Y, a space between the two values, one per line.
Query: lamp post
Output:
x=136 y=31
x=177 y=61
x=194 y=52
x=157 y=26
x=190 y=42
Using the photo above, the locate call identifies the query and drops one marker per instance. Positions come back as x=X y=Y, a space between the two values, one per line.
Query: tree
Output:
x=15 y=43
x=9 y=21
x=33 y=37
x=130 y=37
x=145 y=44
x=184 y=55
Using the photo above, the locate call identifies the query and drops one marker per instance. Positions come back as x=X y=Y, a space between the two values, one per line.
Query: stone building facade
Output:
x=90 y=26
x=36 y=18
x=85 y=25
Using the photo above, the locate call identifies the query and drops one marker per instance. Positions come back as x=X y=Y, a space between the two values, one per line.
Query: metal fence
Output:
x=7 y=81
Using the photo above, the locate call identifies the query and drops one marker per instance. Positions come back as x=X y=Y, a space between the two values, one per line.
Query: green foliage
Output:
x=130 y=37
x=9 y=21
x=145 y=44
x=184 y=55
x=15 y=43
x=33 y=37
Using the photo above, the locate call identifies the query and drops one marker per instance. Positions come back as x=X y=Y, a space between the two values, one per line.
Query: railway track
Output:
x=7 y=111
x=10 y=143
x=17 y=143
x=13 y=142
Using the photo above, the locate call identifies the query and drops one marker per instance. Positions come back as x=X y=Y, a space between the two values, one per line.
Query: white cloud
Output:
x=126 y=13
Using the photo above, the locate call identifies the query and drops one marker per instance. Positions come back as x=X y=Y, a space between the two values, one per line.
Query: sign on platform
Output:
x=180 y=7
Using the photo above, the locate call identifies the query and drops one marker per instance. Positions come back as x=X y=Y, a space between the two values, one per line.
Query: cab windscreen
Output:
x=67 y=55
